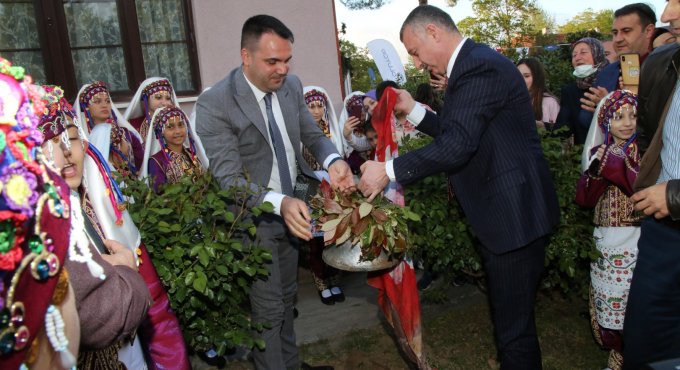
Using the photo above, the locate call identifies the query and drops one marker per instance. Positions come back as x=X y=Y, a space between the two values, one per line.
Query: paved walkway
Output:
x=318 y=321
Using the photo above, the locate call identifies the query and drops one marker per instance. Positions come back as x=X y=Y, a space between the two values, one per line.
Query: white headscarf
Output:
x=153 y=145
x=594 y=138
x=100 y=135
x=335 y=129
x=136 y=107
x=344 y=116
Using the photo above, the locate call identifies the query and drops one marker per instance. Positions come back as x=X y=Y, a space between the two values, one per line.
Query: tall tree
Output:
x=357 y=61
x=590 y=20
x=500 y=23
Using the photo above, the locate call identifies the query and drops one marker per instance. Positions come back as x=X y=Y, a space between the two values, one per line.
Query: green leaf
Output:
x=331 y=224
x=200 y=282
x=189 y=278
x=203 y=257
x=364 y=209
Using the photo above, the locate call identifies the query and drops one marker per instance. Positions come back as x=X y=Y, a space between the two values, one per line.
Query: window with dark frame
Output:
x=121 y=42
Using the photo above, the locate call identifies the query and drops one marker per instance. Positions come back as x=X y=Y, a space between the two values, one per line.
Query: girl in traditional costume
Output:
x=611 y=163
x=119 y=143
x=39 y=324
x=106 y=218
x=352 y=120
x=170 y=151
x=152 y=94
x=326 y=278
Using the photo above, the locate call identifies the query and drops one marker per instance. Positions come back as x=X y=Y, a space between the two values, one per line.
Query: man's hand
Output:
x=592 y=97
x=405 y=103
x=438 y=81
x=296 y=215
x=342 y=177
x=120 y=255
x=373 y=179
x=652 y=201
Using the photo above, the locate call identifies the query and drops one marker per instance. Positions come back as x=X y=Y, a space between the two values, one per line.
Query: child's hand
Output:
x=600 y=152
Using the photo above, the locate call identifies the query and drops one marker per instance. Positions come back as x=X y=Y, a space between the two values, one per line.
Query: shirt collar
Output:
x=259 y=94
x=452 y=60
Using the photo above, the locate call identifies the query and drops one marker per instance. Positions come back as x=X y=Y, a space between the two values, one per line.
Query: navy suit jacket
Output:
x=486 y=141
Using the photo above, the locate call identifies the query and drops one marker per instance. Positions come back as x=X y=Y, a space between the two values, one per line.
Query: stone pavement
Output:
x=318 y=321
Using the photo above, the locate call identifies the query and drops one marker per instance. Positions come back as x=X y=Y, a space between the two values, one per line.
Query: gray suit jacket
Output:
x=235 y=135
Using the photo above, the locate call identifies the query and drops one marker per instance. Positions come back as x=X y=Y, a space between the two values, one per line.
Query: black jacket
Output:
x=657 y=82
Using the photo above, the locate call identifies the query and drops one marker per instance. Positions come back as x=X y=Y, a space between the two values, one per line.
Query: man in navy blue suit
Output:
x=485 y=140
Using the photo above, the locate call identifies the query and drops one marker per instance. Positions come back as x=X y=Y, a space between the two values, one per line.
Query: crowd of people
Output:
x=79 y=288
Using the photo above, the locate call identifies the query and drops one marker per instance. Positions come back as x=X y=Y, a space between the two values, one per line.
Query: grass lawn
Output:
x=458 y=335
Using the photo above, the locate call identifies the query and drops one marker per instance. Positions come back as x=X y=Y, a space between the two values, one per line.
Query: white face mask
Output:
x=584 y=70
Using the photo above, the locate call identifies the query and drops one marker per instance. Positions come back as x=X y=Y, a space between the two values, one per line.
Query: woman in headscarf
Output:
x=119 y=142
x=352 y=120
x=588 y=59
x=90 y=177
x=326 y=278
x=170 y=151
x=611 y=162
x=152 y=94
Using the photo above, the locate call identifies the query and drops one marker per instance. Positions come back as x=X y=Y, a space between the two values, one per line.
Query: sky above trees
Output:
x=366 y=25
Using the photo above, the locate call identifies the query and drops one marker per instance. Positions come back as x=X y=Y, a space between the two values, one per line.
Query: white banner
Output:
x=387 y=60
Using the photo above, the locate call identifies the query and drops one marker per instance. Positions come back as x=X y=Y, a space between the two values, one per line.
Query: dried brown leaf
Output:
x=379 y=215
x=355 y=218
x=343 y=225
x=360 y=227
x=331 y=206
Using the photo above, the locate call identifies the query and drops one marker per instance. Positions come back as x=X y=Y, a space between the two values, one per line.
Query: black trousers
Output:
x=651 y=330
x=512 y=282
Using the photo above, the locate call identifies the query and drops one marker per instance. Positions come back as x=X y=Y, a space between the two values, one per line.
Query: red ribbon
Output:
x=382 y=123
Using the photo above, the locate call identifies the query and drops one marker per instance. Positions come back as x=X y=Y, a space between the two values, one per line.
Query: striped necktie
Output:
x=279 y=148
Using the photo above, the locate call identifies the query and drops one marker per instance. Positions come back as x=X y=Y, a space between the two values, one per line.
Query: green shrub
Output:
x=446 y=244
x=198 y=238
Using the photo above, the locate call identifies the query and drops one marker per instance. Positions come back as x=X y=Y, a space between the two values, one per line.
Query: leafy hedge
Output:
x=197 y=237
x=446 y=244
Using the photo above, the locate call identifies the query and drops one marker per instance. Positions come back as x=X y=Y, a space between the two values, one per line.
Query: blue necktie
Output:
x=279 y=148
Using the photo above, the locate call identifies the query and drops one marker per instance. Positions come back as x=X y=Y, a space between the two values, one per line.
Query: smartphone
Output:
x=630 y=71
x=356 y=111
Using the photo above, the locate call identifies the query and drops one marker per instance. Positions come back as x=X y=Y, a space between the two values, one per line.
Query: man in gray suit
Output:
x=251 y=124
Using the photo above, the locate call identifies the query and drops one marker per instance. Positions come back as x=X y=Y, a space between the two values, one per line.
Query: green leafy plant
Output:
x=446 y=243
x=200 y=241
x=378 y=226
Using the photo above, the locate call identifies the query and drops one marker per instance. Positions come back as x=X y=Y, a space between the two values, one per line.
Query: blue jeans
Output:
x=651 y=330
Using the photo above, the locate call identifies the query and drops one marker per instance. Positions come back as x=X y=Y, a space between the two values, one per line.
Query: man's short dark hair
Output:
x=256 y=25
x=424 y=14
x=644 y=12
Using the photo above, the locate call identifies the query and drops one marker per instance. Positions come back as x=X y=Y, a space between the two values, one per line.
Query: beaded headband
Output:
x=53 y=121
x=165 y=116
x=315 y=95
x=612 y=104
x=93 y=89
x=355 y=100
x=157 y=86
